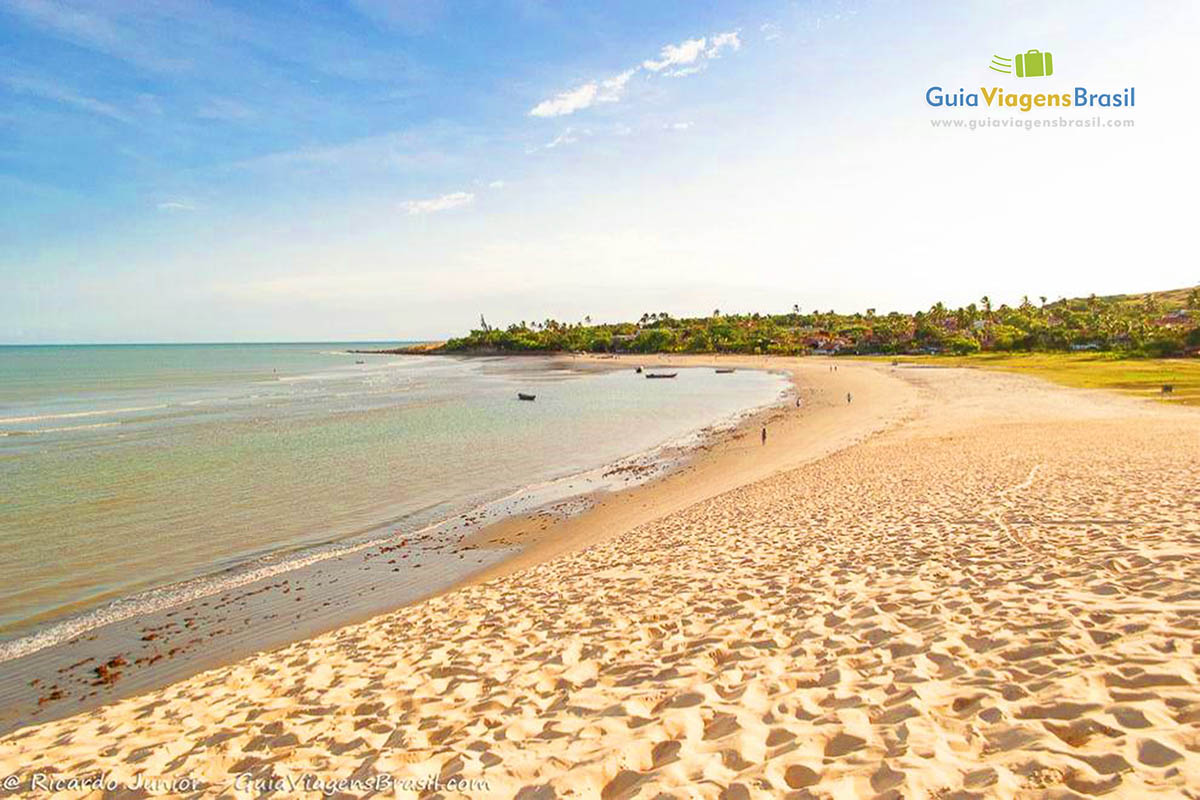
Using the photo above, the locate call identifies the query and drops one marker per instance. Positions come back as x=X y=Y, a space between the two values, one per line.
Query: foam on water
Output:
x=244 y=476
x=655 y=461
x=77 y=414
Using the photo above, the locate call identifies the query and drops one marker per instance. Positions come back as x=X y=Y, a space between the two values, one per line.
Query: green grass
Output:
x=1143 y=377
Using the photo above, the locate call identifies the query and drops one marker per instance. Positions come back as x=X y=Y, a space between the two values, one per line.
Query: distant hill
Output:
x=1170 y=299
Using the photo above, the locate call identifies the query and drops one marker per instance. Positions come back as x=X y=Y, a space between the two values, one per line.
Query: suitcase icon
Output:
x=1034 y=64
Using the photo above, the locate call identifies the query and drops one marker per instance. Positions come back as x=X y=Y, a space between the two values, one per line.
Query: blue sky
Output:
x=214 y=171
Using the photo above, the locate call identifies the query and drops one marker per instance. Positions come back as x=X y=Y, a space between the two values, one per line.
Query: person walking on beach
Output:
x=764 y=434
x=848 y=398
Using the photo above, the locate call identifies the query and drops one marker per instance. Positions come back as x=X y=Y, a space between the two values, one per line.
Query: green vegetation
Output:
x=1142 y=376
x=1164 y=324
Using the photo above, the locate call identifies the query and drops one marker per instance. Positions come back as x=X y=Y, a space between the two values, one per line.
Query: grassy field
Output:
x=1144 y=377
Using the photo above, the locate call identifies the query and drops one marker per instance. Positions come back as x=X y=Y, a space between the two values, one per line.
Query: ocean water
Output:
x=127 y=469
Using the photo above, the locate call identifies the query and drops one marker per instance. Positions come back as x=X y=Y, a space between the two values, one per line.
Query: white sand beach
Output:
x=961 y=584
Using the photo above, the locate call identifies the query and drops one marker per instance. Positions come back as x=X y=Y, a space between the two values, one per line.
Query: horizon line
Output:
x=229 y=342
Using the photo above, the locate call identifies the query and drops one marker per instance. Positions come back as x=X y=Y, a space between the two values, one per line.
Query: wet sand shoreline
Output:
x=821 y=424
x=156 y=648
x=987 y=588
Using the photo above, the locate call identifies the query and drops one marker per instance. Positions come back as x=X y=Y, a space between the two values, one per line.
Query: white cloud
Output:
x=689 y=57
x=675 y=61
x=569 y=136
x=721 y=41
x=572 y=135
x=175 y=205
x=496 y=185
x=683 y=53
x=443 y=203
x=82 y=24
x=49 y=90
x=612 y=88
x=677 y=126
x=566 y=137
x=770 y=31
x=566 y=102
x=608 y=90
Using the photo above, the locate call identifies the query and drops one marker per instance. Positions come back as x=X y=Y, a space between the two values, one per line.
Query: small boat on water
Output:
x=661 y=374
x=638 y=370
x=360 y=362
x=724 y=370
x=523 y=396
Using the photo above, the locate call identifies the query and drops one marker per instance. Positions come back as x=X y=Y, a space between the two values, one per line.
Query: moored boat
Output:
x=661 y=374
x=523 y=396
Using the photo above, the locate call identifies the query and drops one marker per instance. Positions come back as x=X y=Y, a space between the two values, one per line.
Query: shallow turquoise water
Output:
x=126 y=468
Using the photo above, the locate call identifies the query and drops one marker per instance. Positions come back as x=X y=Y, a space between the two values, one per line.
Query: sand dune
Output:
x=998 y=596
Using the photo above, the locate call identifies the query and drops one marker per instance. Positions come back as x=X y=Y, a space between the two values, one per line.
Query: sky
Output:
x=393 y=169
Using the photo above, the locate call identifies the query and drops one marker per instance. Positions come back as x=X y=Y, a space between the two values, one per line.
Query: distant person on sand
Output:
x=848 y=398
x=764 y=435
